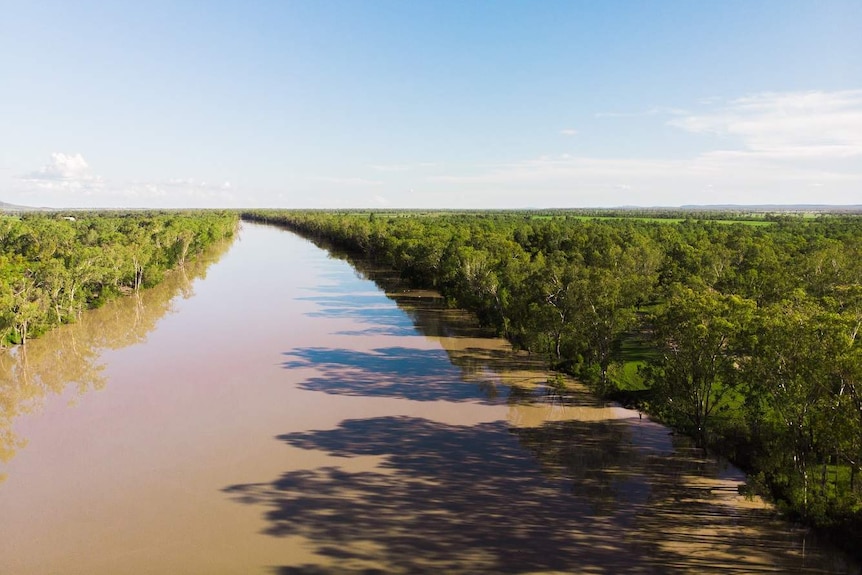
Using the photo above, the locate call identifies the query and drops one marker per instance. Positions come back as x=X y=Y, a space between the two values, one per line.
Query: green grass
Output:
x=636 y=347
x=632 y=218
x=658 y=220
x=635 y=350
x=760 y=223
x=538 y=215
x=626 y=376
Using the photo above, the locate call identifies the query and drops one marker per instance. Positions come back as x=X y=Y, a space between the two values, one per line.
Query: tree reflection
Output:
x=70 y=354
x=482 y=361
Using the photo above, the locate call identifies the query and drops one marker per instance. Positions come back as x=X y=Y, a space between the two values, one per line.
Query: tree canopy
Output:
x=53 y=267
x=744 y=336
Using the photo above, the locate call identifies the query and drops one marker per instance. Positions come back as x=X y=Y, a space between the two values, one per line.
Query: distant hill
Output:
x=771 y=208
x=736 y=209
x=4 y=207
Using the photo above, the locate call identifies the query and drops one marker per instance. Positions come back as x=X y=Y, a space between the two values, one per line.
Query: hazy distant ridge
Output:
x=778 y=207
x=13 y=208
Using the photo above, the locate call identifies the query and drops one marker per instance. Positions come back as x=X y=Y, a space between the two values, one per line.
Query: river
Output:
x=270 y=409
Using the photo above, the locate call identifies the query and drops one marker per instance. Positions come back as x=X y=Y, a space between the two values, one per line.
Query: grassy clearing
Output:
x=655 y=220
x=587 y=218
x=635 y=350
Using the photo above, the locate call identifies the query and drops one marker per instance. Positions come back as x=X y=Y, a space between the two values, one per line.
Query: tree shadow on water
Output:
x=384 y=320
x=452 y=499
x=448 y=374
x=591 y=496
x=445 y=499
x=414 y=313
x=403 y=372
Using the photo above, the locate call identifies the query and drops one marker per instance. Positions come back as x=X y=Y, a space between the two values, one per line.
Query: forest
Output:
x=54 y=266
x=740 y=332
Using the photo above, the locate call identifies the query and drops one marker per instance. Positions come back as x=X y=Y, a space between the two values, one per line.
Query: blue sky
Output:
x=466 y=104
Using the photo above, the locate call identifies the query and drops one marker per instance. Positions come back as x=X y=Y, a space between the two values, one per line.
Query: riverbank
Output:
x=353 y=428
x=53 y=267
x=572 y=305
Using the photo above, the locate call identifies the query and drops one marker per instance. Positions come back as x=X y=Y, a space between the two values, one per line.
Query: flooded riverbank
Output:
x=289 y=417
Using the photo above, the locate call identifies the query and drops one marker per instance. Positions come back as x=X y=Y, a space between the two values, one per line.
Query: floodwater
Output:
x=271 y=410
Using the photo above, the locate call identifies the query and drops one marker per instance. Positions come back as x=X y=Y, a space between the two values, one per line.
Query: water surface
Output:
x=285 y=414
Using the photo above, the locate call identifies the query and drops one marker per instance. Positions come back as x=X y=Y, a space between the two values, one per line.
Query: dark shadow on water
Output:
x=394 y=331
x=375 y=310
x=454 y=374
x=317 y=570
x=412 y=315
x=391 y=318
x=402 y=372
x=607 y=496
x=457 y=372
x=349 y=300
x=453 y=499
x=354 y=293
x=447 y=499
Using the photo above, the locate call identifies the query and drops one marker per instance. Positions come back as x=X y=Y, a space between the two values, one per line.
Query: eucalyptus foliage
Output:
x=54 y=266
x=748 y=334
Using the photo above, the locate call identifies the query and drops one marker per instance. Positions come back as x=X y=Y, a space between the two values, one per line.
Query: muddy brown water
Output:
x=271 y=410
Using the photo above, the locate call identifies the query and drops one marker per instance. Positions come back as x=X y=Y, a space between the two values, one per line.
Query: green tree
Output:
x=793 y=378
x=700 y=336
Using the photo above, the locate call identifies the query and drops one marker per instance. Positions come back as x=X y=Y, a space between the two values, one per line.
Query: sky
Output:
x=430 y=104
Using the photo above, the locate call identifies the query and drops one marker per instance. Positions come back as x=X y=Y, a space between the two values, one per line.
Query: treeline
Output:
x=72 y=358
x=52 y=267
x=745 y=337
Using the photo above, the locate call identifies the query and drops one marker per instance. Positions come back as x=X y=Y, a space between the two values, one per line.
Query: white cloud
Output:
x=65 y=172
x=795 y=147
x=68 y=181
x=771 y=148
x=705 y=179
x=180 y=192
x=796 y=125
